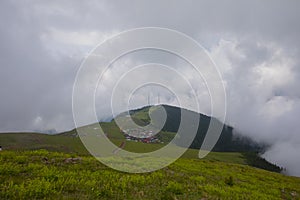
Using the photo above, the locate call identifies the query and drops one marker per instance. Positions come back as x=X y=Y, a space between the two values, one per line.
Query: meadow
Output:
x=42 y=174
x=40 y=166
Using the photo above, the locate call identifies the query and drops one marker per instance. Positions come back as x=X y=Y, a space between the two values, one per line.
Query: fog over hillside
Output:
x=255 y=45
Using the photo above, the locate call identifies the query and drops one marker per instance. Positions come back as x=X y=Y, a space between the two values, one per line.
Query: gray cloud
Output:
x=255 y=44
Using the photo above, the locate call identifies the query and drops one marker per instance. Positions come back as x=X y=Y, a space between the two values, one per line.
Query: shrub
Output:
x=174 y=187
x=229 y=181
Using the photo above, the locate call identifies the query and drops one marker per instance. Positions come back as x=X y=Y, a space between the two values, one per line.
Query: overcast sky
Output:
x=255 y=44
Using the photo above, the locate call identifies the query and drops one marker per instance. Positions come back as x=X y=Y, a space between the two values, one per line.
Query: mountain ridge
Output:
x=228 y=141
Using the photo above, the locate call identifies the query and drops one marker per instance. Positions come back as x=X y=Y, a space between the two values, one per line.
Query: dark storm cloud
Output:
x=254 y=43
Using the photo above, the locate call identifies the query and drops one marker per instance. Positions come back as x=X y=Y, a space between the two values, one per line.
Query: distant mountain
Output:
x=227 y=142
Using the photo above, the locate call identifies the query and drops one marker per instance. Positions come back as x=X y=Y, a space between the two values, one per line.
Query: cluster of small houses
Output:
x=140 y=135
x=134 y=134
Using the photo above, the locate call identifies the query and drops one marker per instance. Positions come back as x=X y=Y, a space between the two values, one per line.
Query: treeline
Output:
x=253 y=159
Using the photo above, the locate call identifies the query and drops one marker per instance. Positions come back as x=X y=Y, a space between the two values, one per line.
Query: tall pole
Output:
x=158 y=99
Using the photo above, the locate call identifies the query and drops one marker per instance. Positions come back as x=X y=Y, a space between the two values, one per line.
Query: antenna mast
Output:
x=158 y=99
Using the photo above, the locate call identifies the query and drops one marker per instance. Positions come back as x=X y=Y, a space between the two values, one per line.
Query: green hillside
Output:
x=50 y=175
x=40 y=166
x=69 y=142
x=228 y=142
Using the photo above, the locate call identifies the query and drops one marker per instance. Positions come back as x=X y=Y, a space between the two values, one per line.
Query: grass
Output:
x=27 y=172
x=31 y=141
x=41 y=174
x=68 y=142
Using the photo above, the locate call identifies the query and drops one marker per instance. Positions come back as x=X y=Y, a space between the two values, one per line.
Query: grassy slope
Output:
x=46 y=175
x=23 y=141
x=69 y=143
x=27 y=175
